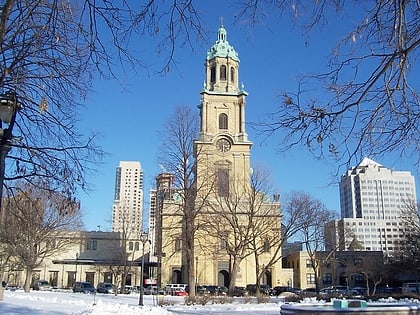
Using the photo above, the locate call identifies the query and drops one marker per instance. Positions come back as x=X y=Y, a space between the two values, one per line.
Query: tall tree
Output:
x=35 y=227
x=51 y=51
x=244 y=220
x=311 y=227
x=408 y=253
x=177 y=156
x=367 y=102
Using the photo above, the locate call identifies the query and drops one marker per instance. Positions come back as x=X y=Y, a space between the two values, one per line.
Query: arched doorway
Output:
x=176 y=276
x=223 y=278
x=266 y=279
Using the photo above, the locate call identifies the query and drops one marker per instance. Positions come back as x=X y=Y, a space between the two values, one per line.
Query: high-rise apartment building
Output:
x=127 y=210
x=373 y=198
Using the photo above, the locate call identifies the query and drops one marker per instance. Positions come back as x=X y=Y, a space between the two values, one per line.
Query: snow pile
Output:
x=68 y=303
x=102 y=308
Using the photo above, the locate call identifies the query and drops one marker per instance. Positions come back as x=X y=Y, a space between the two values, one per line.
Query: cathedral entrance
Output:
x=176 y=276
x=223 y=278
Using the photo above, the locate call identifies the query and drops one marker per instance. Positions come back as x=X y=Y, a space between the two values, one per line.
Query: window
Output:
x=130 y=246
x=223 y=121
x=213 y=74
x=327 y=278
x=177 y=245
x=91 y=244
x=266 y=246
x=54 y=278
x=310 y=278
x=308 y=263
x=223 y=241
x=223 y=244
x=232 y=74
x=223 y=73
x=222 y=175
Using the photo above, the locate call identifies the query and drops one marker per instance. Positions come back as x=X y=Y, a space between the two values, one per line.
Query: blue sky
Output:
x=128 y=113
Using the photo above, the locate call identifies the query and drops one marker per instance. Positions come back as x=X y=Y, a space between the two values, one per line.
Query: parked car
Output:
x=339 y=290
x=240 y=291
x=264 y=289
x=171 y=288
x=83 y=287
x=281 y=289
x=411 y=287
x=41 y=285
x=310 y=292
x=153 y=289
x=179 y=292
x=105 y=287
x=199 y=289
x=217 y=290
x=128 y=289
x=360 y=290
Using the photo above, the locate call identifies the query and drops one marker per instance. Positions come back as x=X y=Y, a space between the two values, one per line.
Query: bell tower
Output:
x=222 y=150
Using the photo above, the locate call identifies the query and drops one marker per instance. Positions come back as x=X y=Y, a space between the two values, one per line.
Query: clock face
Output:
x=223 y=145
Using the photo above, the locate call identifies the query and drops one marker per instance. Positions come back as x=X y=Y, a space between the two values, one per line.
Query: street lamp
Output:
x=8 y=109
x=144 y=237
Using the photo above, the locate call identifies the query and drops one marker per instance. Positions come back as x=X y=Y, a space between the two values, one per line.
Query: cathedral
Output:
x=231 y=234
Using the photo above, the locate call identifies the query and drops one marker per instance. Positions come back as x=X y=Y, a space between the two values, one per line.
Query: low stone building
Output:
x=91 y=256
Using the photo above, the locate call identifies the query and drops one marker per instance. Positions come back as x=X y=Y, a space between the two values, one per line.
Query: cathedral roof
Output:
x=222 y=48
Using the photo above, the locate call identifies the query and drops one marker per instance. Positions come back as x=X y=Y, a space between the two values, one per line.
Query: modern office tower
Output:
x=127 y=211
x=373 y=198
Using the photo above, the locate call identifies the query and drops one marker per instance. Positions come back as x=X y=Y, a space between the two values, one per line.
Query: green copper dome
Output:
x=222 y=47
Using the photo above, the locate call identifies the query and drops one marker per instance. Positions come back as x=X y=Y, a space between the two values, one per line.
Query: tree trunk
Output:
x=190 y=258
x=233 y=274
x=1 y=287
x=28 y=280
x=258 y=273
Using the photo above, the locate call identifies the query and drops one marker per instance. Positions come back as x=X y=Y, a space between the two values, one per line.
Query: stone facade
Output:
x=90 y=256
x=223 y=181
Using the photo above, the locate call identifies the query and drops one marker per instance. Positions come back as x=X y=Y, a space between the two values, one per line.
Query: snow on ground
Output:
x=69 y=303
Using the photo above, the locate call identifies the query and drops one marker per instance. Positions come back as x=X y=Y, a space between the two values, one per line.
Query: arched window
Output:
x=222 y=176
x=267 y=246
x=213 y=74
x=177 y=245
x=223 y=121
x=223 y=72
x=232 y=74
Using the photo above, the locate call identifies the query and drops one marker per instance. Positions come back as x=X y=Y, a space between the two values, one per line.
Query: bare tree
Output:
x=51 y=51
x=246 y=221
x=124 y=259
x=176 y=155
x=36 y=225
x=409 y=246
x=311 y=227
x=367 y=102
x=265 y=222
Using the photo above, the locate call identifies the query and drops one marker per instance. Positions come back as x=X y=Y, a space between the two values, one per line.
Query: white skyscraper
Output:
x=373 y=199
x=127 y=211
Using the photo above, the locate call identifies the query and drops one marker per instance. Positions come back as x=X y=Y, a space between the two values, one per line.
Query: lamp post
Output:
x=144 y=237
x=8 y=109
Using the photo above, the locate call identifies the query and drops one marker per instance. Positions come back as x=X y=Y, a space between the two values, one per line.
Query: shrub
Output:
x=262 y=298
